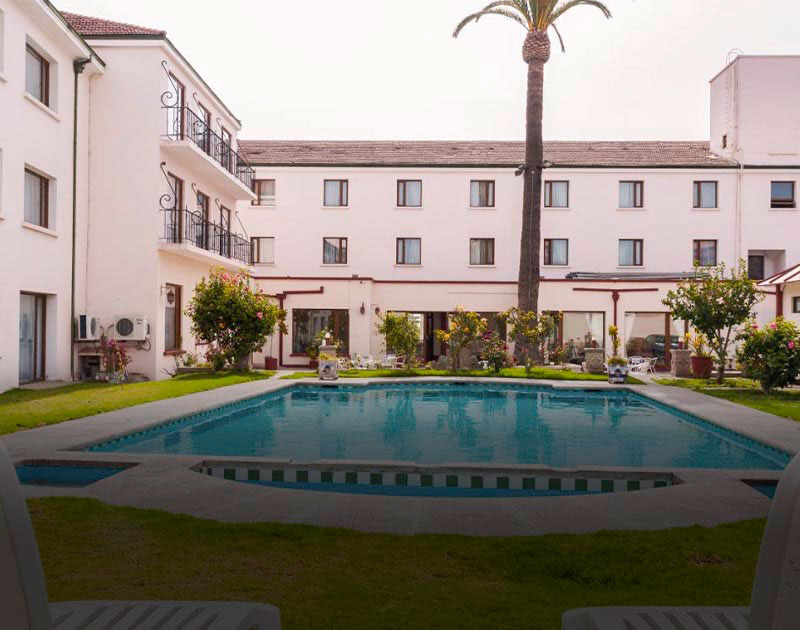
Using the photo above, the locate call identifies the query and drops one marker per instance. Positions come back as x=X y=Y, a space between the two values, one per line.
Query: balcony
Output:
x=191 y=235
x=186 y=133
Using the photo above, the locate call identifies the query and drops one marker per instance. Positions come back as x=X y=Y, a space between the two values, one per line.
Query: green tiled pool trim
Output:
x=552 y=480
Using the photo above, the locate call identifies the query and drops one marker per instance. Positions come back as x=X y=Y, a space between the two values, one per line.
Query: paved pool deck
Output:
x=166 y=482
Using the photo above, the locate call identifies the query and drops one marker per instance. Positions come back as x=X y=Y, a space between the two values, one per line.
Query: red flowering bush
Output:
x=114 y=358
x=495 y=352
x=232 y=316
x=771 y=355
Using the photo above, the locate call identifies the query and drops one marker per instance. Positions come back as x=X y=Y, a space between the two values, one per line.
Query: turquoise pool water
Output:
x=75 y=476
x=441 y=423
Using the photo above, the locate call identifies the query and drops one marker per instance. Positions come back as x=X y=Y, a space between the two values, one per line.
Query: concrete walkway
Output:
x=165 y=482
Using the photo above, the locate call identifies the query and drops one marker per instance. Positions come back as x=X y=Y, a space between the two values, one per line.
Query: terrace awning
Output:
x=792 y=274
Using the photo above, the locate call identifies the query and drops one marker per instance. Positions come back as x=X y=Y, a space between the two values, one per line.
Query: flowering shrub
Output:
x=465 y=327
x=698 y=345
x=715 y=303
x=771 y=355
x=401 y=335
x=114 y=358
x=495 y=352
x=529 y=330
x=232 y=317
x=615 y=359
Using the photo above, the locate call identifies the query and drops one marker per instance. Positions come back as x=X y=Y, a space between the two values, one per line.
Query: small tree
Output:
x=528 y=330
x=465 y=327
x=232 y=317
x=400 y=334
x=495 y=352
x=771 y=355
x=714 y=304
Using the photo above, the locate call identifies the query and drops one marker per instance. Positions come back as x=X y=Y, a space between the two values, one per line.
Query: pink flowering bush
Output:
x=495 y=352
x=114 y=358
x=232 y=317
x=771 y=355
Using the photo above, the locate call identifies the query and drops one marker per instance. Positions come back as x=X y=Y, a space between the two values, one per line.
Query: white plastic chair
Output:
x=23 y=595
x=775 y=604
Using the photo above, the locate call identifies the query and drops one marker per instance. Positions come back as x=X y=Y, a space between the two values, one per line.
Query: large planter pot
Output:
x=271 y=363
x=328 y=370
x=702 y=366
x=617 y=374
x=595 y=360
x=681 y=363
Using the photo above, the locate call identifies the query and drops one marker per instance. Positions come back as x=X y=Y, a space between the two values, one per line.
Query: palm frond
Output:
x=560 y=39
x=570 y=4
x=495 y=8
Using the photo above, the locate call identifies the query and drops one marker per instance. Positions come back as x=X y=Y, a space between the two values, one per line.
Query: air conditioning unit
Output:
x=87 y=328
x=131 y=328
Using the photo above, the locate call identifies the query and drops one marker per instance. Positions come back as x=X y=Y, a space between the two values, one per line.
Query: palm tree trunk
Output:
x=530 y=244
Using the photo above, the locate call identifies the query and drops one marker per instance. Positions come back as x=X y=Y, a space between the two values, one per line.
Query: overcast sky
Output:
x=383 y=69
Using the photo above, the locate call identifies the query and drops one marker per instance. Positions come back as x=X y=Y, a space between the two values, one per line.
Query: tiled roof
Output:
x=96 y=27
x=506 y=154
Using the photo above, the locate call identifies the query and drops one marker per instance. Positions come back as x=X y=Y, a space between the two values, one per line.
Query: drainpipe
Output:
x=77 y=66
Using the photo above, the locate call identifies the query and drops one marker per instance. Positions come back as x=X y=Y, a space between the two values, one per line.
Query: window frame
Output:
x=44 y=74
x=638 y=194
x=403 y=239
x=492 y=186
x=177 y=319
x=779 y=204
x=763 y=266
x=547 y=252
x=44 y=199
x=485 y=241
x=697 y=247
x=697 y=194
x=257 y=184
x=255 y=250
x=796 y=304
x=636 y=250
x=548 y=192
x=342 y=240
x=402 y=184
x=344 y=193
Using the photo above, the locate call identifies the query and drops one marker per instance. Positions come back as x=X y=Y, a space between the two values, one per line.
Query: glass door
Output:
x=32 y=322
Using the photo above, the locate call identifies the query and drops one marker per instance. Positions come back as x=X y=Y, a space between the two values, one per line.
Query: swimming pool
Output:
x=436 y=423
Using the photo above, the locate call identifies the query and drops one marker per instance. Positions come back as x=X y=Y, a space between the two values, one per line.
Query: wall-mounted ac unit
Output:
x=87 y=328
x=131 y=328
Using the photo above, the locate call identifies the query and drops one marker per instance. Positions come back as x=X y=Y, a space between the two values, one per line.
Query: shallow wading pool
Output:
x=437 y=423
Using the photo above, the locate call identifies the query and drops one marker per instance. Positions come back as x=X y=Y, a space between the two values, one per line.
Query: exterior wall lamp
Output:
x=363 y=308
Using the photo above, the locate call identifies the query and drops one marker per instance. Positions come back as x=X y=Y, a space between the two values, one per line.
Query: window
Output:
x=409 y=251
x=334 y=251
x=409 y=193
x=796 y=305
x=37 y=189
x=263 y=250
x=755 y=267
x=705 y=195
x=631 y=194
x=705 y=253
x=265 y=192
x=631 y=252
x=783 y=195
x=481 y=251
x=202 y=129
x=172 y=318
x=556 y=252
x=556 y=194
x=37 y=75
x=307 y=324
x=481 y=194
x=336 y=192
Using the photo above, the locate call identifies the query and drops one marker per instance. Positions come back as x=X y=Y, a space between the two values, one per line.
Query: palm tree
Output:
x=536 y=16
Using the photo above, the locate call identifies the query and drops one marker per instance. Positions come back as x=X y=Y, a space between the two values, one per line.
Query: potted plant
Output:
x=617 y=365
x=324 y=338
x=270 y=362
x=702 y=362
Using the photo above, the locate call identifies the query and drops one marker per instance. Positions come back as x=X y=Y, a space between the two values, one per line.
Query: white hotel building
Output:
x=341 y=232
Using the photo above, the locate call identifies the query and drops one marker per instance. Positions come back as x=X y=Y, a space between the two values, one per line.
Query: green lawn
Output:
x=536 y=373
x=25 y=409
x=333 y=578
x=744 y=392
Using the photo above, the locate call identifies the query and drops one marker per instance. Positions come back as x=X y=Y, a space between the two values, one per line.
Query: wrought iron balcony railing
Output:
x=182 y=123
x=184 y=226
